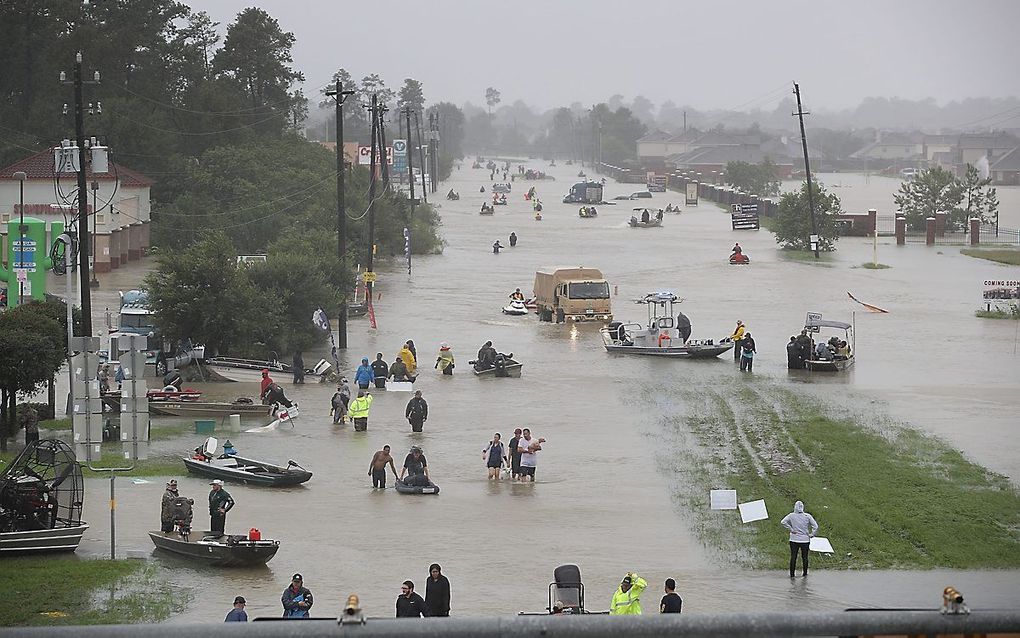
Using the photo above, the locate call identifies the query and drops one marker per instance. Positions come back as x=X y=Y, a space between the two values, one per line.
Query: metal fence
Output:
x=761 y=625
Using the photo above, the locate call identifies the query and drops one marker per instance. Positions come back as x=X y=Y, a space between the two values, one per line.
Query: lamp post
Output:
x=95 y=189
x=21 y=177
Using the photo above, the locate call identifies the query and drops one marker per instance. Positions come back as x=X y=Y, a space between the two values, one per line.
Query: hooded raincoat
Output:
x=802 y=525
x=364 y=375
x=628 y=603
x=408 y=358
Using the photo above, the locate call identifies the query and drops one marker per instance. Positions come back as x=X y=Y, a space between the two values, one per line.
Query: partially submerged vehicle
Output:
x=587 y=192
x=834 y=360
x=41 y=497
x=661 y=336
x=572 y=294
x=231 y=467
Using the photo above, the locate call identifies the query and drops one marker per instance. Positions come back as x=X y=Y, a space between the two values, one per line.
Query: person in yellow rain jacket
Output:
x=412 y=365
x=738 y=334
x=358 y=410
x=627 y=599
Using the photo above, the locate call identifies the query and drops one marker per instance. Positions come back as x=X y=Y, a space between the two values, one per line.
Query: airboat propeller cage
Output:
x=41 y=489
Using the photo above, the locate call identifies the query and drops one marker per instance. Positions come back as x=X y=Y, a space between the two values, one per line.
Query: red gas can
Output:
x=254 y=534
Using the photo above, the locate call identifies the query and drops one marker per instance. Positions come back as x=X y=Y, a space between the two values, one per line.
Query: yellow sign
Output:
x=368 y=277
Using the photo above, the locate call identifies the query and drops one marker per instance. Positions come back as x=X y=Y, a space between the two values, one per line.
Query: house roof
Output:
x=40 y=166
x=1008 y=162
x=655 y=136
x=941 y=139
x=687 y=136
x=993 y=140
x=719 y=155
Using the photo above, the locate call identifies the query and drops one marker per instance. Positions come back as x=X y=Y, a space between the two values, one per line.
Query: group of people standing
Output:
x=519 y=456
x=743 y=347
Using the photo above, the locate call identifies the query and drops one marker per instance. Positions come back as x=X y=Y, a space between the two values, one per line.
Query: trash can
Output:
x=235 y=421
x=205 y=427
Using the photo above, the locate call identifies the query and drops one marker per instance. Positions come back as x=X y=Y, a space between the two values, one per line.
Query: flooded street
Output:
x=600 y=500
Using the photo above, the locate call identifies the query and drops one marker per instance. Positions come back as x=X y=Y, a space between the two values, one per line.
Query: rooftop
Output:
x=40 y=166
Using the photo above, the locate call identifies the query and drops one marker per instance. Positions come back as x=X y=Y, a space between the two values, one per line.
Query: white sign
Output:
x=400 y=147
x=753 y=511
x=400 y=386
x=822 y=545
x=365 y=155
x=723 y=499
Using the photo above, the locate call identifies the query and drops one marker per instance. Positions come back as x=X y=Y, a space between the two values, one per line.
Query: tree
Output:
x=32 y=350
x=492 y=98
x=411 y=95
x=934 y=190
x=356 y=125
x=758 y=179
x=451 y=128
x=793 y=223
x=976 y=196
x=374 y=84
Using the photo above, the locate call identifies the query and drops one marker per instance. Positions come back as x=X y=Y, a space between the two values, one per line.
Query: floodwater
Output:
x=600 y=500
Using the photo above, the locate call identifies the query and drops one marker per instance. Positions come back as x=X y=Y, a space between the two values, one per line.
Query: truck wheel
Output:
x=161 y=367
x=560 y=315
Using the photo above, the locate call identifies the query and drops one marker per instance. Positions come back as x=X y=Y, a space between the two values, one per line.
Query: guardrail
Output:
x=761 y=625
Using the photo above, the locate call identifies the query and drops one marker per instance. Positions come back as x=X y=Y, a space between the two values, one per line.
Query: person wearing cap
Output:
x=417 y=412
x=627 y=599
x=296 y=599
x=220 y=503
x=736 y=337
x=416 y=468
x=237 y=614
x=359 y=408
x=166 y=513
x=444 y=362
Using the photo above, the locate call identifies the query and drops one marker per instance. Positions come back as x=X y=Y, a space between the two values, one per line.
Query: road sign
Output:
x=399 y=163
x=399 y=147
x=368 y=277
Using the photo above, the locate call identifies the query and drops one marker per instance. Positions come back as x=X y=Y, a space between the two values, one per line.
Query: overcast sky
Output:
x=706 y=54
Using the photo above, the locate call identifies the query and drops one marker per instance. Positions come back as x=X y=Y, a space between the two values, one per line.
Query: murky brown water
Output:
x=600 y=500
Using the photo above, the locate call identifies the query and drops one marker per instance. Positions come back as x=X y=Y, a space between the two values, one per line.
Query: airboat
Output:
x=41 y=498
x=661 y=336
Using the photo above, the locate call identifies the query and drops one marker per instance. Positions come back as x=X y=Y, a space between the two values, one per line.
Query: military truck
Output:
x=572 y=294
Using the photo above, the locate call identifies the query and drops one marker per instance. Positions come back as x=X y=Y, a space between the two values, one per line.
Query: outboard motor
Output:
x=500 y=366
x=181 y=513
x=568 y=589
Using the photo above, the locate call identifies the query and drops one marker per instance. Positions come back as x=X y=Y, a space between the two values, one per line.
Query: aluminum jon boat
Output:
x=229 y=550
x=200 y=408
x=250 y=370
x=661 y=337
x=243 y=470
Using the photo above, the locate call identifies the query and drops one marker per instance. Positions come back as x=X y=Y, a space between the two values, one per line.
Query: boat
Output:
x=250 y=370
x=515 y=307
x=587 y=212
x=739 y=259
x=660 y=338
x=506 y=366
x=229 y=467
x=404 y=488
x=229 y=550
x=206 y=408
x=639 y=222
x=566 y=594
x=531 y=304
x=41 y=497
x=814 y=324
x=487 y=210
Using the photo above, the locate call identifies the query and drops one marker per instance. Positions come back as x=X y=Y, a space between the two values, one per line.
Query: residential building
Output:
x=1005 y=171
x=893 y=146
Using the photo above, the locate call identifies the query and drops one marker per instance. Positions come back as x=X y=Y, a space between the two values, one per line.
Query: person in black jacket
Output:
x=296 y=599
x=417 y=412
x=298 y=367
x=410 y=604
x=437 y=592
x=381 y=371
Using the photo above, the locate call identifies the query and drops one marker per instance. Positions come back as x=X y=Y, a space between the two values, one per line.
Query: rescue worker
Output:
x=517 y=295
x=683 y=326
x=275 y=394
x=364 y=375
x=417 y=412
x=398 y=371
x=793 y=358
x=380 y=371
x=804 y=342
x=736 y=337
x=627 y=599
x=166 y=517
x=410 y=361
x=220 y=503
x=358 y=410
x=338 y=404
x=444 y=361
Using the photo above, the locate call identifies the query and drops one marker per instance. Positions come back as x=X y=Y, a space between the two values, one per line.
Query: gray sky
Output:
x=735 y=52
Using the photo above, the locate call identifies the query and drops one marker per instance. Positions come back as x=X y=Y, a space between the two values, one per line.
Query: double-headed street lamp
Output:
x=21 y=177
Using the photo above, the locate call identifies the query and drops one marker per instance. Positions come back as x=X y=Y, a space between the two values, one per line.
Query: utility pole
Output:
x=374 y=109
x=410 y=164
x=807 y=170
x=421 y=156
x=383 y=161
x=339 y=95
x=434 y=149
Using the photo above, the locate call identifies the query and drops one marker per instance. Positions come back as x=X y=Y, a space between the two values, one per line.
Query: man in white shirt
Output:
x=529 y=448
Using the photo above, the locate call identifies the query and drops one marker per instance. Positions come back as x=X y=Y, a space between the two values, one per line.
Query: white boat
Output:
x=250 y=370
x=515 y=307
x=660 y=337
x=654 y=220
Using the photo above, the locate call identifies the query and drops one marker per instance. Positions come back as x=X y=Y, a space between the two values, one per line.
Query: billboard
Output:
x=691 y=198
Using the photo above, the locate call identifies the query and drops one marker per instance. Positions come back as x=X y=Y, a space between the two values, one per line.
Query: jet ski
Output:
x=738 y=259
x=515 y=307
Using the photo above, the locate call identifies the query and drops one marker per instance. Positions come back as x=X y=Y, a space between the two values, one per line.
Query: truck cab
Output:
x=572 y=294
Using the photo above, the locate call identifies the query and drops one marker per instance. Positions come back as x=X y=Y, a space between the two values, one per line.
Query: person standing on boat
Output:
x=804 y=342
x=444 y=361
x=364 y=375
x=220 y=503
x=358 y=410
x=377 y=467
x=437 y=592
x=298 y=367
x=166 y=512
x=410 y=358
x=296 y=599
x=380 y=371
x=683 y=326
x=417 y=412
x=738 y=334
x=747 y=352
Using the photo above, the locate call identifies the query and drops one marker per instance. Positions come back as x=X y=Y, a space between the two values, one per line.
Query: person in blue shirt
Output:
x=364 y=375
x=237 y=614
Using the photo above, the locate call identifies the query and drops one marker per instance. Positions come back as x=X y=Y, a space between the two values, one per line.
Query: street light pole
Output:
x=21 y=177
x=95 y=189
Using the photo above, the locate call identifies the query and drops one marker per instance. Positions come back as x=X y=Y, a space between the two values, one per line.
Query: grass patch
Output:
x=807 y=256
x=870 y=265
x=152 y=466
x=56 y=424
x=886 y=499
x=1002 y=256
x=59 y=590
x=1012 y=313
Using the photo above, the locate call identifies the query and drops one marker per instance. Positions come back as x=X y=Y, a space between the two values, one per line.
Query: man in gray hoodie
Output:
x=802 y=528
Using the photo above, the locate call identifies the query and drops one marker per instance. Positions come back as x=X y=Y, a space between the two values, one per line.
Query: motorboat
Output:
x=112 y=399
x=515 y=307
x=486 y=210
x=453 y=195
x=404 y=488
x=835 y=362
x=739 y=259
x=41 y=498
x=586 y=212
x=228 y=550
x=239 y=469
x=501 y=188
x=646 y=219
x=250 y=370
x=538 y=215
x=531 y=304
x=660 y=337
x=208 y=408
x=505 y=366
